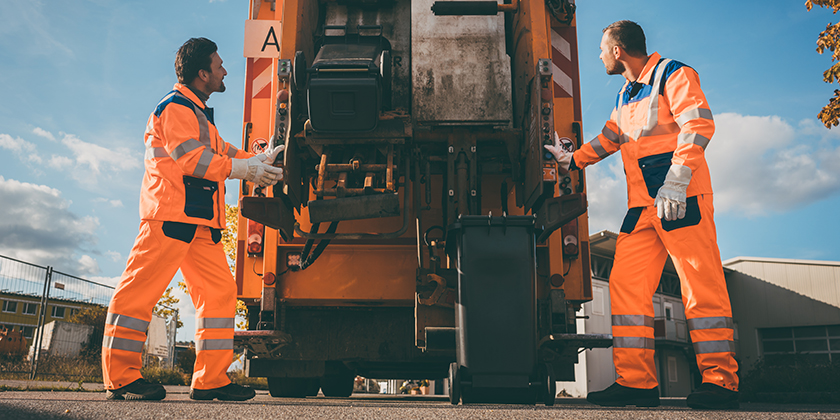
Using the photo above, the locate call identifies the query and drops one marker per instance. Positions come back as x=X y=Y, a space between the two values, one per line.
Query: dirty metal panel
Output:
x=352 y=208
x=461 y=73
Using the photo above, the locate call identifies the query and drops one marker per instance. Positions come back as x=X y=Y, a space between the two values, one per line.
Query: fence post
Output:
x=173 y=329
x=39 y=328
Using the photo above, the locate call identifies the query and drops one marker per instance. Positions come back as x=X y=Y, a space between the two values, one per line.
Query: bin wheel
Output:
x=454 y=383
x=338 y=385
x=293 y=387
x=549 y=386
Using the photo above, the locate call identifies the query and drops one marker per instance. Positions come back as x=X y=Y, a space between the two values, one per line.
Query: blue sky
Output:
x=79 y=79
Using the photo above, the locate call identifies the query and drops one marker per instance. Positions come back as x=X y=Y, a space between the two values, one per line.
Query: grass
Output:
x=238 y=377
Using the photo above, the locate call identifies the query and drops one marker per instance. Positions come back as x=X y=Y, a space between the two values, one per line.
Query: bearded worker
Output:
x=662 y=124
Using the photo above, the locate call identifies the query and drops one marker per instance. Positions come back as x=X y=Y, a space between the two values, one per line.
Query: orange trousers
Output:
x=161 y=248
x=642 y=249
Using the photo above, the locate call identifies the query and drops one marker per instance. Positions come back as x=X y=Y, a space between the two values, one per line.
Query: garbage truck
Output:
x=421 y=230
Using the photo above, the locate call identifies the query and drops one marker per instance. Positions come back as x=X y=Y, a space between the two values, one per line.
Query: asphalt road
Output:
x=24 y=405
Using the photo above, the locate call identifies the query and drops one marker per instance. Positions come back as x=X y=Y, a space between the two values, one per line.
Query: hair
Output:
x=629 y=36
x=193 y=56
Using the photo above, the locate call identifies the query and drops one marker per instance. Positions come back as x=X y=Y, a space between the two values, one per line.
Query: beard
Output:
x=221 y=87
x=615 y=68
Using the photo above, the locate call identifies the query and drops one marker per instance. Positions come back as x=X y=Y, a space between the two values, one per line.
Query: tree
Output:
x=166 y=306
x=94 y=316
x=829 y=39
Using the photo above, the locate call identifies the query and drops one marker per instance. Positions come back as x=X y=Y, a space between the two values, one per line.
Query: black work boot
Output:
x=229 y=392
x=712 y=397
x=619 y=396
x=137 y=390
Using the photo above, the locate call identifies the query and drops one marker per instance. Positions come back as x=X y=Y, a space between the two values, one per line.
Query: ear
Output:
x=617 y=52
x=203 y=75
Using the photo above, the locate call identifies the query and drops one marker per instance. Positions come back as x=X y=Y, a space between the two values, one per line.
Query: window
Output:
x=28 y=332
x=817 y=345
x=669 y=310
x=597 y=300
x=30 y=308
x=9 y=306
x=58 y=311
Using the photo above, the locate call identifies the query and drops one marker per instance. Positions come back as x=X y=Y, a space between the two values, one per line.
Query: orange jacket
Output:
x=661 y=119
x=187 y=163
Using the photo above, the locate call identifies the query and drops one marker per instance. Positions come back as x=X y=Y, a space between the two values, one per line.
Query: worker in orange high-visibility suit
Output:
x=662 y=125
x=182 y=216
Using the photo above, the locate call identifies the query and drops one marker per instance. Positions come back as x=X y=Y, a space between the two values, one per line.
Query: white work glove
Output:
x=561 y=155
x=670 y=199
x=258 y=169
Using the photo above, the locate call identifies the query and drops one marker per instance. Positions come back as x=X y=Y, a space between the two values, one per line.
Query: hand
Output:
x=670 y=199
x=561 y=155
x=257 y=169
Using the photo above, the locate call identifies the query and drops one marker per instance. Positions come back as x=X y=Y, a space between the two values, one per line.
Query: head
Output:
x=198 y=64
x=622 y=37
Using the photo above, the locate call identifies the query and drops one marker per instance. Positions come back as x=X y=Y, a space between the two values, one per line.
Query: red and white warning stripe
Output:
x=563 y=60
x=261 y=84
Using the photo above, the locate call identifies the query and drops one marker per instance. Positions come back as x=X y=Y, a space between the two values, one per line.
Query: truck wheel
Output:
x=337 y=385
x=454 y=383
x=292 y=387
x=549 y=385
x=299 y=71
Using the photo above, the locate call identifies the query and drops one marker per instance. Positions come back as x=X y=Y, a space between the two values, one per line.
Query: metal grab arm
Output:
x=361 y=235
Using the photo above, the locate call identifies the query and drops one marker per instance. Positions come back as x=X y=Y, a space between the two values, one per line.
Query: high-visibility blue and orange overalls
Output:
x=663 y=119
x=182 y=212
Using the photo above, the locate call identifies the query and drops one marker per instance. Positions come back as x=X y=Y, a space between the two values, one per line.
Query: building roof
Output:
x=737 y=260
x=818 y=280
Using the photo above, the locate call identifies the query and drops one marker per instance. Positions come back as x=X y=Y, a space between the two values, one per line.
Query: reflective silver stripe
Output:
x=693 y=114
x=693 y=138
x=653 y=113
x=610 y=135
x=232 y=151
x=722 y=346
x=122 y=344
x=659 y=130
x=206 y=323
x=596 y=145
x=632 y=321
x=634 y=343
x=184 y=148
x=214 y=344
x=155 y=152
x=127 y=322
x=710 y=323
x=203 y=163
x=624 y=138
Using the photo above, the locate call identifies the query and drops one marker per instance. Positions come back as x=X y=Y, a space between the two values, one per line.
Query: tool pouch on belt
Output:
x=199 y=197
x=654 y=169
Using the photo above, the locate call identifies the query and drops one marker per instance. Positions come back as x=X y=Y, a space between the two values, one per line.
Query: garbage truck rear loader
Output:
x=421 y=230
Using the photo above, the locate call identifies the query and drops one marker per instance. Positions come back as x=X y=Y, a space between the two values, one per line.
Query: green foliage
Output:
x=829 y=39
x=238 y=377
x=166 y=306
x=165 y=376
x=94 y=316
x=186 y=360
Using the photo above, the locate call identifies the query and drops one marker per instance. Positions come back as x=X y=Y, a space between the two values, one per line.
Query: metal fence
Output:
x=38 y=304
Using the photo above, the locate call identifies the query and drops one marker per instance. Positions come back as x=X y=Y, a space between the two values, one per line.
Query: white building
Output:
x=781 y=308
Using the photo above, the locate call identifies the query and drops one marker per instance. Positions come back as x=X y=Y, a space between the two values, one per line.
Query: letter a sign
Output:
x=262 y=38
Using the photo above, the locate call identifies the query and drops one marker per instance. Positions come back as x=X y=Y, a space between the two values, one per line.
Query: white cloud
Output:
x=114 y=256
x=43 y=133
x=762 y=164
x=60 y=162
x=606 y=195
x=112 y=203
x=92 y=160
x=36 y=226
x=22 y=148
